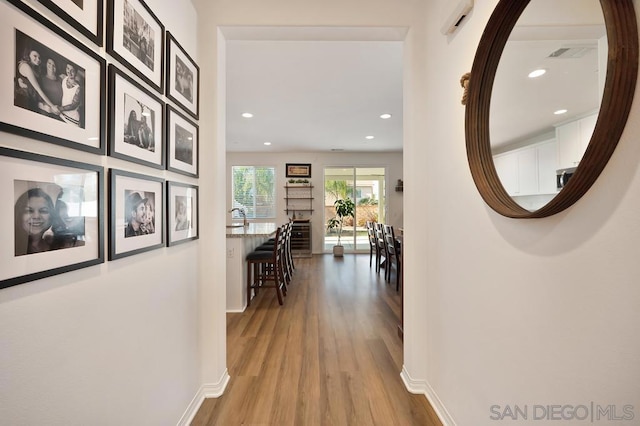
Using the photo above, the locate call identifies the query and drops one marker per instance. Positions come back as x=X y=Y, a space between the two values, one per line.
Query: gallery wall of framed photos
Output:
x=113 y=82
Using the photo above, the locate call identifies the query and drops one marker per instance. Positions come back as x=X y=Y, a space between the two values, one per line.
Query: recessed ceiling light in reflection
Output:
x=385 y=116
x=537 y=73
x=369 y=137
x=560 y=112
x=247 y=115
x=267 y=143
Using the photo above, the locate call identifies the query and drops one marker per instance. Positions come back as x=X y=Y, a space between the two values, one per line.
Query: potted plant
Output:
x=345 y=207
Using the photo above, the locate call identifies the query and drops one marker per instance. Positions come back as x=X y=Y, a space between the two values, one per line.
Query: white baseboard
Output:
x=423 y=387
x=212 y=390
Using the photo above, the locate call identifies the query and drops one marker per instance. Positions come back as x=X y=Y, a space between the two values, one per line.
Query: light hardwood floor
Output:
x=330 y=356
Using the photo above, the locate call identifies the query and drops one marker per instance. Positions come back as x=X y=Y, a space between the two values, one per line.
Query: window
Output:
x=254 y=191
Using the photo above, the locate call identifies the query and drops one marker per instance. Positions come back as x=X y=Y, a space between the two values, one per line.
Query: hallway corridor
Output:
x=330 y=356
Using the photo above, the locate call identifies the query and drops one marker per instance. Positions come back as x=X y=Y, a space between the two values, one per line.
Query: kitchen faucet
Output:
x=243 y=213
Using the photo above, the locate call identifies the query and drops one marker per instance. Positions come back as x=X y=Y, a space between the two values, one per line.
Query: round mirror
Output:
x=519 y=151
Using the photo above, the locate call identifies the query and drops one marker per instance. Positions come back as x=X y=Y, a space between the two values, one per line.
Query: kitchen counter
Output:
x=241 y=241
x=252 y=230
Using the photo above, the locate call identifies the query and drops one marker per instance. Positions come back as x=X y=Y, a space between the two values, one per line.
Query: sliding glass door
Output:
x=366 y=187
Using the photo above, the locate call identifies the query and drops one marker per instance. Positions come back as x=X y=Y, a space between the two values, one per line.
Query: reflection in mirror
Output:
x=540 y=126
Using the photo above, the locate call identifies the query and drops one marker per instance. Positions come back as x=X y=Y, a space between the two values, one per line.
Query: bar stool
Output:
x=264 y=266
x=287 y=260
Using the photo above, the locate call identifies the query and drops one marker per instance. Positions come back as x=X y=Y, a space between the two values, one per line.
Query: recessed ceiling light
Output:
x=369 y=137
x=267 y=143
x=560 y=112
x=385 y=116
x=247 y=115
x=537 y=73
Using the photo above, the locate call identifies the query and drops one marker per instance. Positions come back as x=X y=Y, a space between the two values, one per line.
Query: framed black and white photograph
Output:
x=182 y=213
x=135 y=121
x=58 y=83
x=85 y=16
x=56 y=206
x=137 y=208
x=182 y=143
x=183 y=78
x=135 y=37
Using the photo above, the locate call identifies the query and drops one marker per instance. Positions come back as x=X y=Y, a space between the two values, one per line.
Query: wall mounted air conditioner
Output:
x=456 y=15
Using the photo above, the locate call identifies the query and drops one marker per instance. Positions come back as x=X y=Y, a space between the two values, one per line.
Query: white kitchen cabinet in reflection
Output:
x=573 y=138
x=530 y=170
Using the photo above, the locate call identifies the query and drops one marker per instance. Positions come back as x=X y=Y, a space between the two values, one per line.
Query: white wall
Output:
x=517 y=311
x=111 y=344
x=392 y=162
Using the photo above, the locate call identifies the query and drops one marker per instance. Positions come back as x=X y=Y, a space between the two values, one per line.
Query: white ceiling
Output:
x=314 y=95
x=323 y=88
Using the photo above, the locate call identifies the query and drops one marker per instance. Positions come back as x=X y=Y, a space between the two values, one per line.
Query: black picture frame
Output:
x=51 y=111
x=136 y=121
x=183 y=78
x=144 y=230
x=298 y=170
x=183 y=217
x=57 y=206
x=86 y=17
x=135 y=37
x=182 y=138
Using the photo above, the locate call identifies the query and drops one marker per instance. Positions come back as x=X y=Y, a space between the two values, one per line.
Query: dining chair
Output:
x=373 y=246
x=381 y=248
x=393 y=255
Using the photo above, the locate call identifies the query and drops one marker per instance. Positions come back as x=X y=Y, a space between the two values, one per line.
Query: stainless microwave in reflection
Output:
x=563 y=176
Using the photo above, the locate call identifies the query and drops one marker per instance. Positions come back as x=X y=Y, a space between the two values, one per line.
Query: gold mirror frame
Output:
x=620 y=83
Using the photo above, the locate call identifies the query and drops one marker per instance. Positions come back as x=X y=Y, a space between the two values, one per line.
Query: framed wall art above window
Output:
x=298 y=170
x=58 y=83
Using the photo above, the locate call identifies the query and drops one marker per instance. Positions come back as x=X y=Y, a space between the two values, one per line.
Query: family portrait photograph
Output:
x=183 y=77
x=56 y=206
x=47 y=217
x=136 y=213
x=136 y=121
x=183 y=212
x=56 y=85
x=182 y=142
x=85 y=16
x=184 y=145
x=135 y=37
x=138 y=37
x=139 y=124
x=184 y=80
x=182 y=225
x=139 y=213
x=47 y=83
